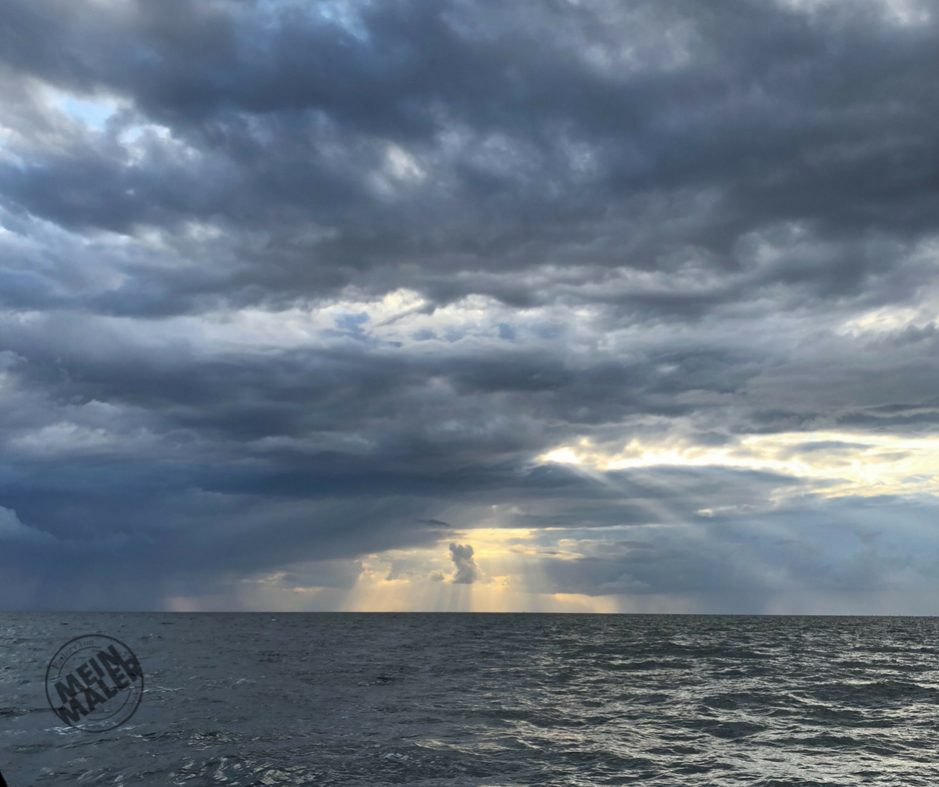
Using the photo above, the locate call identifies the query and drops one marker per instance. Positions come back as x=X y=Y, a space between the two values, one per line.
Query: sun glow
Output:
x=422 y=579
x=835 y=463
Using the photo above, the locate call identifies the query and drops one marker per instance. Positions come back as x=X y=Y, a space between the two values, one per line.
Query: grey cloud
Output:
x=809 y=555
x=755 y=119
x=657 y=221
x=466 y=572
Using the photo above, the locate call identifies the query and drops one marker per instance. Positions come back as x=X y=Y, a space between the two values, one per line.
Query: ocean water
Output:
x=412 y=699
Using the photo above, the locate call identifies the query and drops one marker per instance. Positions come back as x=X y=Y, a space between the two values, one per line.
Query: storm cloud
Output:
x=650 y=288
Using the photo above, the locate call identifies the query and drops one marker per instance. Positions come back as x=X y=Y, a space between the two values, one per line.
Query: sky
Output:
x=575 y=305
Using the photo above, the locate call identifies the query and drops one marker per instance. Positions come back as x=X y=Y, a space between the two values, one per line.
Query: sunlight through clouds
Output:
x=634 y=305
x=836 y=464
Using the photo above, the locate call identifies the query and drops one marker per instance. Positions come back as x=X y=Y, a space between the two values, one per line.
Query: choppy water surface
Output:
x=343 y=699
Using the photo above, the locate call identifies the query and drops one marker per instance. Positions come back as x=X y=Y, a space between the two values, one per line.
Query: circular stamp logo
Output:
x=94 y=682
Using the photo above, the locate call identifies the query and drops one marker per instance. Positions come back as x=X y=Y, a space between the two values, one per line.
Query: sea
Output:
x=486 y=700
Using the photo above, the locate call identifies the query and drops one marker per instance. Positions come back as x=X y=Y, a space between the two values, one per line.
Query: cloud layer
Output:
x=292 y=298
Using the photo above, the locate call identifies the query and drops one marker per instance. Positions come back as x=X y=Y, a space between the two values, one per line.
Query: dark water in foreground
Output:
x=347 y=699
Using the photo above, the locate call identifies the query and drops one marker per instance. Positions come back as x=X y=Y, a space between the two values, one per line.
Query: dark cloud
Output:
x=285 y=286
x=421 y=140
